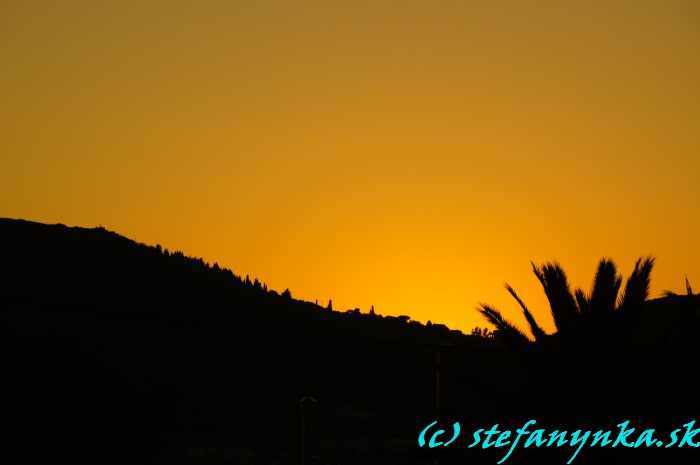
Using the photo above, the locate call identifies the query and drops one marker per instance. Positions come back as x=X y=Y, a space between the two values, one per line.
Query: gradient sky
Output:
x=411 y=155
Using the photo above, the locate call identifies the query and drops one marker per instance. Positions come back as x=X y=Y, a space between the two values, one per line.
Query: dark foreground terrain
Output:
x=117 y=352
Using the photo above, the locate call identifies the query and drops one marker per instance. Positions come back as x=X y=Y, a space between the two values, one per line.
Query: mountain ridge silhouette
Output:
x=95 y=267
x=123 y=352
x=122 y=347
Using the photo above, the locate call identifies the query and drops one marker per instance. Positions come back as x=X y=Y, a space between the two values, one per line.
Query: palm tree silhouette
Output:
x=576 y=370
x=579 y=318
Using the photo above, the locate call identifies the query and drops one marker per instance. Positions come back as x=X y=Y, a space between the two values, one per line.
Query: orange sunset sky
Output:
x=411 y=155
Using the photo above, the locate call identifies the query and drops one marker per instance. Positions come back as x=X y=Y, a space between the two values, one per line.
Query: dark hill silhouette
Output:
x=124 y=351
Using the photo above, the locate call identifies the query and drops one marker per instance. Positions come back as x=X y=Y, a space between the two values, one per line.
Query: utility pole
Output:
x=307 y=405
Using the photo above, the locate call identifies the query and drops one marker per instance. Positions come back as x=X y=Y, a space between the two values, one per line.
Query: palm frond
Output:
x=581 y=301
x=537 y=332
x=514 y=336
x=688 y=290
x=637 y=286
x=561 y=300
x=606 y=286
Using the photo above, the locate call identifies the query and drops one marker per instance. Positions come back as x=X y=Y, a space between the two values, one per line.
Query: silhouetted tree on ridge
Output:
x=596 y=363
x=582 y=320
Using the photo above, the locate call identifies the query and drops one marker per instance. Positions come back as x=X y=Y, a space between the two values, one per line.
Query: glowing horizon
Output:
x=412 y=158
